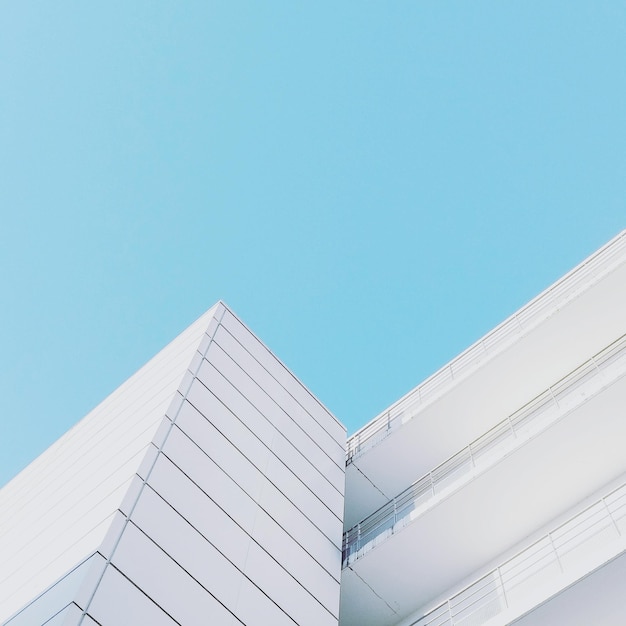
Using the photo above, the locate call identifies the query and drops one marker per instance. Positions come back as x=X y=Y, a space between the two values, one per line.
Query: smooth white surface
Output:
x=54 y=600
x=596 y=599
x=472 y=526
x=120 y=603
x=190 y=549
x=245 y=398
x=487 y=394
x=156 y=573
x=214 y=489
x=595 y=267
x=200 y=511
x=258 y=460
x=81 y=479
x=497 y=509
x=286 y=378
x=590 y=379
x=213 y=495
x=289 y=405
x=223 y=415
x=70 y=616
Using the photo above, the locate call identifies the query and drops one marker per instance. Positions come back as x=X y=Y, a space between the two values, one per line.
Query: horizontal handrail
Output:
x=539 y=308
x=534 y=415
x=557 y=552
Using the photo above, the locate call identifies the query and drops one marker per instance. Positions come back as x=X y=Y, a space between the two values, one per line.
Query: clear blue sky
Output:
x=371 y=186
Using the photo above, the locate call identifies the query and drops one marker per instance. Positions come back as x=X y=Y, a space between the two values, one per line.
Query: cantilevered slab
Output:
x=571 y=321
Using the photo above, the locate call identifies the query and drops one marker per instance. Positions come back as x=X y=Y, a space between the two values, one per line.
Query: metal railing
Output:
x=573 y=548
x=537 y=309
x=511 y=432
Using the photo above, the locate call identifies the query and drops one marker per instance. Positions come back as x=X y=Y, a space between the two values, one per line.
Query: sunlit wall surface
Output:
x=209 y=489
x=494 y=492
x=230 y=514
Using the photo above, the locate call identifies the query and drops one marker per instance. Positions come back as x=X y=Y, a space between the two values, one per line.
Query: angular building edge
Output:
x=243 y=444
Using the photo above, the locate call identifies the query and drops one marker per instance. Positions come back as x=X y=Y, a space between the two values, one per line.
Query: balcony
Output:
x=535 y=464
x=575 y=318
x=481 y=454
x=537 y=310
x=558 y=559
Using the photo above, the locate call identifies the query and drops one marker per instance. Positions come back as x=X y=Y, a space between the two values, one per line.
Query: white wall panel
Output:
x=201 y=512
x=223 y=489
x=232 y=539
x=70 y=616
x=329 y=492
x=246 y=400
x=185 y=545
x=318 y=576
x=227 y=458
x=136 y=399
x=210 y=562
x=242 y=504
x=160 y=578
x=227 y=408
x=118 y=602
x=216 y=444
x=216 y=495
x=255 y=608
x=38 y=574
x=303 y=498
x=241 y=422
x=297 y=525
x=81 y=479
x=84 y=527
x=281 y=396
x=53 y=600
x=285 y=590
x=266 y=358
x=257 y=460
x=259 y=396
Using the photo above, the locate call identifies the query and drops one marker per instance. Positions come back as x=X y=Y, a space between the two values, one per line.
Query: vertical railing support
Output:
x=506 y=601
x=450 y=612
x=556 y=554
x=606 y=506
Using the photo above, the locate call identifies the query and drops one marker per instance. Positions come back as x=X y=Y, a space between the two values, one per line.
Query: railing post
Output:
x=593 y=360
x=553 y=398
x=556 y=554
x=450 y=612
x=506 y=601
x=606 y=506
x=508 y=419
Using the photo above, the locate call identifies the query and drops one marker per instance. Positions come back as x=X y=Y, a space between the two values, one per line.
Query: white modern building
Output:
x=209 y=488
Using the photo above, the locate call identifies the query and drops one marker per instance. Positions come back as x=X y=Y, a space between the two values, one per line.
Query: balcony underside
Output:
x=597 y=598
x=522 y=493
x=487 y=394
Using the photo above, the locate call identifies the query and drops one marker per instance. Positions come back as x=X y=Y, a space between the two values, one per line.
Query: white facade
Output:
x=209 y=489
x=495 y=492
